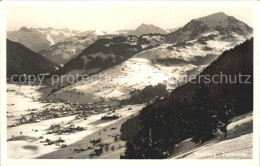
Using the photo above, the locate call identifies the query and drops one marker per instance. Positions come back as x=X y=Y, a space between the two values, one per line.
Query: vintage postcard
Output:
x=129 y=80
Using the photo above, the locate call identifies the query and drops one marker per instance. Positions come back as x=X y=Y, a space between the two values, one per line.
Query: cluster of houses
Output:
x=99 y=146
x=55 y=142
x=64 y=110
x=10 y=90
x=28 y=119
x=97 y=152
x=70 y=128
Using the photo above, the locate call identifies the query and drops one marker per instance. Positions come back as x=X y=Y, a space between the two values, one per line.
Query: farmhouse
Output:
x=110 y=117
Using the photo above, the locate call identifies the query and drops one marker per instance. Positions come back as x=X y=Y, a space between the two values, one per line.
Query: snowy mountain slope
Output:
x=220 y=22
x=207 y=44
x=237 y=145
x=165 y=64
x=158 y=62
x=146 y=29
x=108 y=52
x=151 y=40
x=57 y=45
x=102 y=54
x=59 y=35
x=31 y=38
x=38 y=39
x=63 y=51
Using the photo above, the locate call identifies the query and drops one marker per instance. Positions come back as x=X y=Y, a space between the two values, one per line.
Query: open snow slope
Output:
x=238 y=145
x=237 y=148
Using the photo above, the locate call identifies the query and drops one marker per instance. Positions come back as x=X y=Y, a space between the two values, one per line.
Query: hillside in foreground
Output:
x=194 y=110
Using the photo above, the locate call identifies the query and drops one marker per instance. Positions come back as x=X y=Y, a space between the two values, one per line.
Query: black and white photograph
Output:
x=129 y=82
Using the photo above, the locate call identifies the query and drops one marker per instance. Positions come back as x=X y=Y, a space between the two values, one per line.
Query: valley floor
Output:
x=24 y=141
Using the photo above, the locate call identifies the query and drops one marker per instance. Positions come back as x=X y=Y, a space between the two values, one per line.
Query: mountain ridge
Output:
x=146 y=29
x=21 y=60
x=215 y=22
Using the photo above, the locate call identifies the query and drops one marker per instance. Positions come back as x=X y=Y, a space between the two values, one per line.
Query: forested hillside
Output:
x=194 y=110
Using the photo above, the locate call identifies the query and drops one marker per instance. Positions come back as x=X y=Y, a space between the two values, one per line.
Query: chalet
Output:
x=72 y=126
x=77 y=117
x=50 y=142
x=95 y=141
x=63 y=145
x=110 y=117
x=55 y=126
x=90 y=147
x=80 y=150
x=33 y=118
x=23 y=120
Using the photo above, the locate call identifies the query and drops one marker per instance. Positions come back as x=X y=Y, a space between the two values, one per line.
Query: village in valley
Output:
x=49 y=125
x=65 y=109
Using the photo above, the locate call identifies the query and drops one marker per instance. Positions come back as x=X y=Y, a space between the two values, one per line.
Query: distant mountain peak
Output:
x=25 y=29
x=146 y=29
x=220 y=22
x=46 y=28
x=220 y=16
x=99 y=33
x=143 y=25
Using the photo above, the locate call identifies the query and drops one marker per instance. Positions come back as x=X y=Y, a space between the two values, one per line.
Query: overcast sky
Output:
x=113 y=18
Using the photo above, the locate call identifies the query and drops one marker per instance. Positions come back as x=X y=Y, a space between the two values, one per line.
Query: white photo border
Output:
x=255 y=5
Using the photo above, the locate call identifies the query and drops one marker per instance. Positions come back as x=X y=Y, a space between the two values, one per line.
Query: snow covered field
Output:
x=20 y=98
x=118 y=81
x=237 y=148
x=238 y=145
x=24 y=140
x=31 y=133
